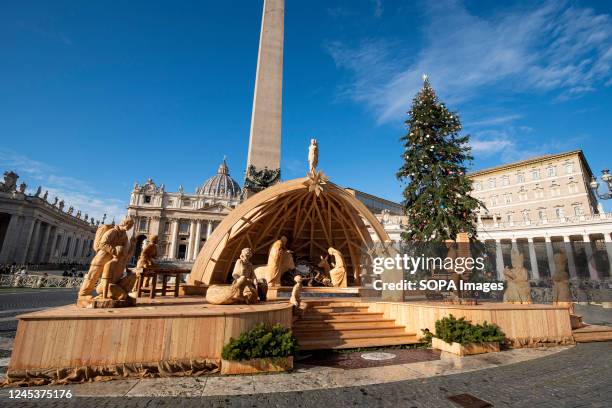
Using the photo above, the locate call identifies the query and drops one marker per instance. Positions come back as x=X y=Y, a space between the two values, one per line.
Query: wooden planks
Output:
x=73 y=337
x=518 y=322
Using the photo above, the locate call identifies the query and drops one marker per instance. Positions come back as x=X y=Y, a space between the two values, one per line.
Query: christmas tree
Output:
x=437 y=197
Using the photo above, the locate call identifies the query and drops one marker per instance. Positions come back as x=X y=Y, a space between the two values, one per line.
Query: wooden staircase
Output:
x=591 y=332
x=336 y=325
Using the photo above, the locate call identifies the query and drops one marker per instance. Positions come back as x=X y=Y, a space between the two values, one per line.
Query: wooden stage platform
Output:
x=157 y=331
x=186 y=335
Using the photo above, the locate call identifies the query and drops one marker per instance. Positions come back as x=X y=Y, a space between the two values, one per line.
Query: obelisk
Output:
x=265 y=137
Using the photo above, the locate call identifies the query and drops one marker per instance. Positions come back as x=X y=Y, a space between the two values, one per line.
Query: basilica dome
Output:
x=221 y=184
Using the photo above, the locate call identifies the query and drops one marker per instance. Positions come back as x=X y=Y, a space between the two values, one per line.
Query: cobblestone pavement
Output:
x=579 y=376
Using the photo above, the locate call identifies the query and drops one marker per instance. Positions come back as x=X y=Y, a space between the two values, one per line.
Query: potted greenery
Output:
x=461 y=337
x=261 y=349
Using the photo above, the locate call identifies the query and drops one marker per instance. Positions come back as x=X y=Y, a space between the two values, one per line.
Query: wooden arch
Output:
x=312 y=223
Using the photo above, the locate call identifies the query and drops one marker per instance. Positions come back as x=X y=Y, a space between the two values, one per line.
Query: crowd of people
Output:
x=69 y=269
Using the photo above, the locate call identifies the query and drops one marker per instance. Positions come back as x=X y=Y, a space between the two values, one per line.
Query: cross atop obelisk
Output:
x=265 y=139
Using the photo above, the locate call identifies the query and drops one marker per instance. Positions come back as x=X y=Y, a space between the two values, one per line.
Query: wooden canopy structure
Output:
x=311 y=212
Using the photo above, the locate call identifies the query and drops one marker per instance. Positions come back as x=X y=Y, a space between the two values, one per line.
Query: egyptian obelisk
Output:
x=265 y=138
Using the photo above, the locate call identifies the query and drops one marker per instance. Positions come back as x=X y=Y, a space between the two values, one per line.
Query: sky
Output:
x=97 y=95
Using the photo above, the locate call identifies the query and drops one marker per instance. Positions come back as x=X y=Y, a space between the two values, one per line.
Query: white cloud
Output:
x=75 y=192
x=484 y=147
x=553 y=47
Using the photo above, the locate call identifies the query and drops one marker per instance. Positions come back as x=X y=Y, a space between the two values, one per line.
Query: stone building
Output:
x=34 y=230
x=541 y=206
x=182 y=221
x=537 y=190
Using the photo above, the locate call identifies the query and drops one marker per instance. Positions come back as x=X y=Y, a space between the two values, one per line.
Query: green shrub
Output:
x=453 y=330
x=260 y=342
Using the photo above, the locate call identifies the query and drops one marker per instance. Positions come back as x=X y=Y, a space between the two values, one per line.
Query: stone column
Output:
x=569 y=252
x=608 y=244
x=590 y=258
x=550 y=255
x=198 y=239
x=514 y=245
x=191 y=242
x=34 y=242
x=535 y=273
x=40 y=257
x=11 y=238
x=49 y=254
x=174 y=239
x=209 y=229
x=24 y=241
x=499 y=260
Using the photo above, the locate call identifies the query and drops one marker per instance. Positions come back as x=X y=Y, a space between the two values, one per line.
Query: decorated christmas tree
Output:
x=437 y=197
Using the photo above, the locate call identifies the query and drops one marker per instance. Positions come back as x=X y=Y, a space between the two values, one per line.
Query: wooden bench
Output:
x=153 y=274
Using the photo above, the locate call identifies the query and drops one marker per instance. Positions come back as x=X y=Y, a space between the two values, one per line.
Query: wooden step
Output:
x=352 y=333
x=324 y=344
x=336 y=309
x=591 y=333
x=341 y=315
x=344 y=324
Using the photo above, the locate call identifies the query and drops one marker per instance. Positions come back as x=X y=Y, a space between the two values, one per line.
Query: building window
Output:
x=477 y=186
x=552 y=172
x=578 y=210
x=525 y=216
x=573 y=188
x=508 y=198
x=186 y=203
x=147 y=199
x=167 y=227
x=555 y=191
x=539 y=192
x=535 y=174
x=559 y=212
x=183 y=227
x=509 y=218
x=142 y=225
x=520 y=178
x=493 y=201
x=542 y=215
x=522 y=194
x=505 y=181
x=569 y=168
x=492 y=183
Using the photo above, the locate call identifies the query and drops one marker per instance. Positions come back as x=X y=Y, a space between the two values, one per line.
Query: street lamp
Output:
x=607 y=178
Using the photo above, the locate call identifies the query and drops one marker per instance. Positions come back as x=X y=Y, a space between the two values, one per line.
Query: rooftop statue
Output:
x=10 y=182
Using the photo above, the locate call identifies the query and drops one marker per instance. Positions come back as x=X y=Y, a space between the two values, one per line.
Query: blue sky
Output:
x=99 y=94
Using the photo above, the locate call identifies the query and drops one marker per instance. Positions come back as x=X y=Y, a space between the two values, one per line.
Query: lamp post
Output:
x=607 y=178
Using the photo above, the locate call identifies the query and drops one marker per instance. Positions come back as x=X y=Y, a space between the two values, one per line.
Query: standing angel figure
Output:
x=313 y=156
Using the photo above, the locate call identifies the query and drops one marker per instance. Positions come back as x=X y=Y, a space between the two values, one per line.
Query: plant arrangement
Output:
x=453 y=330
x=260 y=342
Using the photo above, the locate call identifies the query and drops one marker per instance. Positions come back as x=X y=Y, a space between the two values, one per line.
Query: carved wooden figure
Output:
x=517 y=281
x=338 y=272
